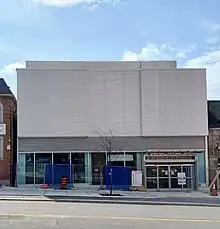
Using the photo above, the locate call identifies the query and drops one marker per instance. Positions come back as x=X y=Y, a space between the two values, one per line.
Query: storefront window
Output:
x=116 y=159
x=61 y=158
x=130 y=160
x=41 y=160
x=123 y=159
x=98 y=163
x=21 y=168
x=29 y=168
x=80 y=167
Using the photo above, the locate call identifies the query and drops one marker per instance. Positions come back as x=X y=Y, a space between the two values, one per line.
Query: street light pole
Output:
x=111 y=182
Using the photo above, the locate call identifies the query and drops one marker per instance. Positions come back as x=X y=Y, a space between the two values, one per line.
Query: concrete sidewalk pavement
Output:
x=195 y=198
x=12 y=191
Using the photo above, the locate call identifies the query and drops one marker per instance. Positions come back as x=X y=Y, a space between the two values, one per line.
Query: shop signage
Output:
x=2 y=129
x=136 y=178
x=171 y=154
x=181 y=178
x=121 y=157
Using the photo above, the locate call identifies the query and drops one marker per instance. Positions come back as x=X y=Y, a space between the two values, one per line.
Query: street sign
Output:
x=136 y=176
x=181 y=178
x=2 y=129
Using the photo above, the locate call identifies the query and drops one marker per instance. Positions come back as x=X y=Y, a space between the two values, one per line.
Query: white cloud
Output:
x=210 y=26
x=183 y=53
x=64 y=3
x=8 y=72
x=212 y=41
x=210 y=61
x=150 y=52
x=11 y=68
x=215 y=27
x=158 y=52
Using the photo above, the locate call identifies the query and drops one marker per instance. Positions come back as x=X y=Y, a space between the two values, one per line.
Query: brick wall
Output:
x=9 y=106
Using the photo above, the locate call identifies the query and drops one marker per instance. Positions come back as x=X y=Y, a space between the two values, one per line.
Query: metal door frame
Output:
x=192 y=176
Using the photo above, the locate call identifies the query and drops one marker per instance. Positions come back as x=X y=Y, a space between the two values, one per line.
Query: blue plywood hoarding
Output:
x=54 y=173
x=121 y=177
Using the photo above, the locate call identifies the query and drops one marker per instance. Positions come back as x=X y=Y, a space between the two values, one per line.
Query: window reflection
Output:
x=79 y=167
x=41 y=160
x=29 y=168
x=61 y=158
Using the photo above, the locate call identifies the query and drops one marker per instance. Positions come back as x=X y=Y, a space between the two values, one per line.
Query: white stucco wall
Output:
x=107 y=65
x=75 y=102
x=84 y=65
x=174 y=102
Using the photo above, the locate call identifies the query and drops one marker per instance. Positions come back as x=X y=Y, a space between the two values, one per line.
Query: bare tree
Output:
x=107 y=140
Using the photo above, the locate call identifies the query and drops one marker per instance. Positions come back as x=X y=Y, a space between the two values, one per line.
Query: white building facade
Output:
x=158 y=113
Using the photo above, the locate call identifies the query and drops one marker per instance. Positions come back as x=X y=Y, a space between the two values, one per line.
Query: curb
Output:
x=96 y=201
x=158 y=203
x=27 y=199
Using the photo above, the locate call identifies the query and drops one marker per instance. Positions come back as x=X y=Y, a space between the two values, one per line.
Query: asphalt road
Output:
x=25 y=215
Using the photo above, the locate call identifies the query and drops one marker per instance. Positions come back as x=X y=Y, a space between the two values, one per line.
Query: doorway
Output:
x=79 y=168
x=165 y=177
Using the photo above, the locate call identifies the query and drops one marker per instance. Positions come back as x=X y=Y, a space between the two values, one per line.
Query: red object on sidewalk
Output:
x=63 y=184
x=44 y=186
x=214 y=191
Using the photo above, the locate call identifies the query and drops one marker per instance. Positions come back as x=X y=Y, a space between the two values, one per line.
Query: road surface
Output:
x=25 y=215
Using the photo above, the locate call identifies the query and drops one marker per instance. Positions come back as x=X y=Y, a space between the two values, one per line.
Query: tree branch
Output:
x=107 y=141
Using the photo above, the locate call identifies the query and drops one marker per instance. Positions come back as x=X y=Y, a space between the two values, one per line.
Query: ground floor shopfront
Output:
x=159 y=158
x=165 y=176
x=87 y=168
x=160 y=170
x=163 y=170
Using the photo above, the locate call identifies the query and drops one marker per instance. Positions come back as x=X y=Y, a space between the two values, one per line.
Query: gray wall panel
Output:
x=79 y=98
x=169 y=96
x=119 y=143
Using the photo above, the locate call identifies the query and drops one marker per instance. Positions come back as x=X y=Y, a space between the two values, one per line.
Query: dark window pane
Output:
x=151 y=171
x=214 y=114
x=41 y=160
x=164 y=183
x=29 y=168
x=98 y=163
x=130 y=160
x=61 y=158
x=79 y=167
x=151 y=183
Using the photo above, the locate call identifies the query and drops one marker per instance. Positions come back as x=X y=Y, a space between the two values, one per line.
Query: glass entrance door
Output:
x=152 y=178
x=174 y=170
x=163 y=175
x=189 y=171
x=166 y=176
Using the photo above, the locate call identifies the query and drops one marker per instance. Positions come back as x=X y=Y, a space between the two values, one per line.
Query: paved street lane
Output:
x=24 y=215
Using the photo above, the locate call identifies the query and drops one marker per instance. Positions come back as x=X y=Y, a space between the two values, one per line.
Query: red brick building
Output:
x=8 y=138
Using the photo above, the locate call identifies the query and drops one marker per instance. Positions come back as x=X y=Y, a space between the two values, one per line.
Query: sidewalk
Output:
x=11 y=191
x=196 y=198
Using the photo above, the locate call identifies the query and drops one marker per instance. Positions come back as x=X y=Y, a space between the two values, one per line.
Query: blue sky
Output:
x=187 y=31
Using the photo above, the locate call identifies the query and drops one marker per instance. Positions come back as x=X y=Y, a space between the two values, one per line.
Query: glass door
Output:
x=163 y=175
x=166 y=176
x=189 y=171
x=174 y=170
x=151 y=177
x=79 y=167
